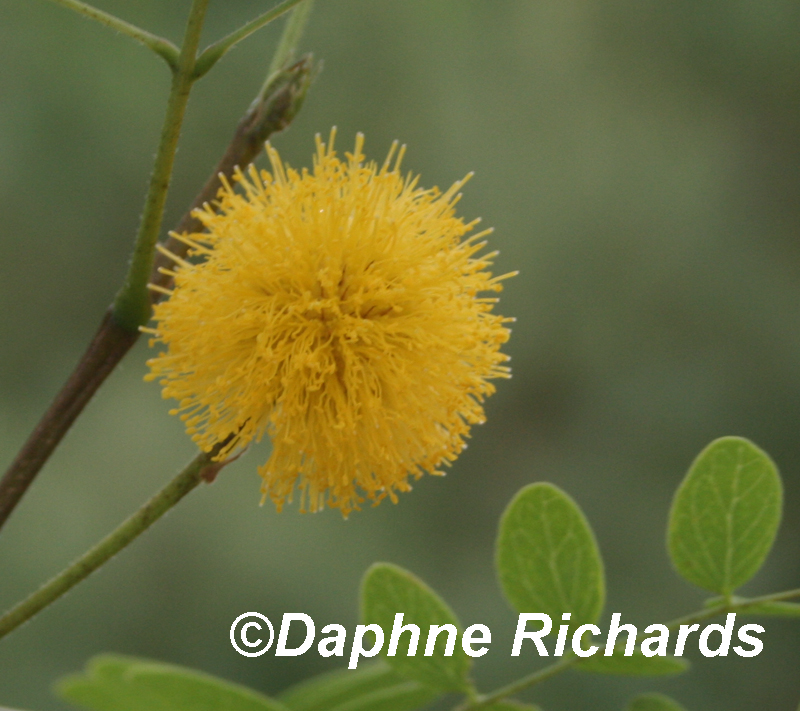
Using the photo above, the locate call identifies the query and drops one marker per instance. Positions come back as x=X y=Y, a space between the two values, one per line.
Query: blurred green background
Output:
x=639 y=161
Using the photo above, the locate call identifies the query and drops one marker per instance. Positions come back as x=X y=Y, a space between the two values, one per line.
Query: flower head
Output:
x=339 y=311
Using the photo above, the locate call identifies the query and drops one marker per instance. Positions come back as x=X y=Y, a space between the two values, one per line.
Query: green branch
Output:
x=273 y=110
x=520 y=685
x=213 y=53
x=200 y=468
x=132 y=305
x=290 y=38
x=162 y=47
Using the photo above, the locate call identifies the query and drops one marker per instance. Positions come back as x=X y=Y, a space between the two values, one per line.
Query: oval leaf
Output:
x=113 y=683
x=725 y=515
x=388 y=589
x=374 y=686
x=635 y=665
x=547 y=557
x=654 y=702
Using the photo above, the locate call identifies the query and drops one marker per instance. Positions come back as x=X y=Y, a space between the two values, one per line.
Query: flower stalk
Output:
x=199 y=469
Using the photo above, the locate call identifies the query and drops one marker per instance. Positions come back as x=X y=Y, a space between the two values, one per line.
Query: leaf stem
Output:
x=214 y=52
x=734 y=605
x=775 y=597
x=570 y=659
x=161 y=46
x=127 y=532
x=131 y=307
x=520 y=685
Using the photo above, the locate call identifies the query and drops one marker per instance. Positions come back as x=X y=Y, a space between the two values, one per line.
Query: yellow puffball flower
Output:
x=339 y=311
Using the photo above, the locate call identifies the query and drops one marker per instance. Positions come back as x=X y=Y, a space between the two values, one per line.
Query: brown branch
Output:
x=106 y=349
x=272 y=111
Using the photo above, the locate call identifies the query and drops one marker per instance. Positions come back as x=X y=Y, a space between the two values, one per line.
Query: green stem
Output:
x=520 y=685
x=132 y=305
x=775 y=597
x=272 y=111
x=213 y=53
x=162 y=47
x=292 y=32
x=90 y=561
x=735 y=605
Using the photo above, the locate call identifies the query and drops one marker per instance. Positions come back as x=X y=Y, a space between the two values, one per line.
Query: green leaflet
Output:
x=373 y=687
x=725 y=515
x=115 y=683
x=388 y=589
x=547 y=557
x=654 y=702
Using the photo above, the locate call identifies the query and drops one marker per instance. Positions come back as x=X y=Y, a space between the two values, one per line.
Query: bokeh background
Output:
x=639 y=161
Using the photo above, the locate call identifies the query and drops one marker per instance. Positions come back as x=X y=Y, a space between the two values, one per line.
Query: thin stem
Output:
x=775 y=597
x=699 y=616
x=213 y=53
x=292 y=32
x=520 y=685
x=132 y=306
x=90 y=561
x=268 y=113
x=161 y=46
x=734 y=605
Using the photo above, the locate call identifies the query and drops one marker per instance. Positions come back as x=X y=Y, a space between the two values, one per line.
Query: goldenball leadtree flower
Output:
x=340 y=311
